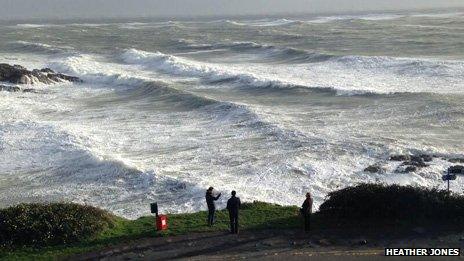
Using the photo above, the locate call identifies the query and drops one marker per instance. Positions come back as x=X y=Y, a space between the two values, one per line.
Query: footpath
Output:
x=278 y=245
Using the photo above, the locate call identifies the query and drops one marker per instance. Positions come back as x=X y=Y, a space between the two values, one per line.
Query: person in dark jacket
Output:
x=306 y=210
x=233 y=205
x=211 y=205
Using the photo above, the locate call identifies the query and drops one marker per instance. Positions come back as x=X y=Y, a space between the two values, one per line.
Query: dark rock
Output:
x=415 y=161
x=456 y=160
x=457 y=169
x=426 y=158
x=19 y=75
x=17 y=89
x=400 y=157
x=405 y=169
x=30 y=90
x=410 y=169
x=9 y=88
x=373 y=169
x=47 y=70
x=59 y=76
x=418 y=158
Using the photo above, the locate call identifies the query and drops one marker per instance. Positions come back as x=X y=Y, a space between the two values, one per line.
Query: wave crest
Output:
x=399 y=71
x=25 y=46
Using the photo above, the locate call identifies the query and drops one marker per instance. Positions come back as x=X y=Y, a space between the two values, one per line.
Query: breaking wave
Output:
x=368 y=66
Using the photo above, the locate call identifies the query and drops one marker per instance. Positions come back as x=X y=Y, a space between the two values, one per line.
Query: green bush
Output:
x=50 y=224
x=393 y=203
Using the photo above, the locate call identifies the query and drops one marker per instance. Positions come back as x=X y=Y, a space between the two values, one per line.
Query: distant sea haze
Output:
x=270 y=107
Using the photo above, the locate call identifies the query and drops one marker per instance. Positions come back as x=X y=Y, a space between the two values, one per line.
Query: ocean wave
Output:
x=405 y=66
x=67 y=168
x=28 y=26
x=154 y=25
x=150 y=91
x=183 y=67
x=264 y=23
x=439 y=15
x=25 y=46
x=220 y=112
x=279 y=54
x=320 y=19
x=363 y=66
x=379 y=17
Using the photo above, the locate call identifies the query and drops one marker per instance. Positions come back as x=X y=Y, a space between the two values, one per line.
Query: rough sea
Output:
x=271 y=107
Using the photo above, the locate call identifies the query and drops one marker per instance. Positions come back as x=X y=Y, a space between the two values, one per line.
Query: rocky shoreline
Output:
x=412 y=163
x=19 y=75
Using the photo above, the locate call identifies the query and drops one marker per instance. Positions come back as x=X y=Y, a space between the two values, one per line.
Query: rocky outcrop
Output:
x=411 y=163
x=9 y=88
x=406 y=169
x=374 y=169
x=408 y=163
x=456 y=160
x=17 y=74
x=400 y=157
x=412 y=158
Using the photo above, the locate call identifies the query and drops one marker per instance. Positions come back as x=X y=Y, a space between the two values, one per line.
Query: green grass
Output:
x=365 y=207
x=255 y=215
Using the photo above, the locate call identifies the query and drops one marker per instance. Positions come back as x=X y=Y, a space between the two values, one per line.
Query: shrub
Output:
x=393 y=202
x=50 y=224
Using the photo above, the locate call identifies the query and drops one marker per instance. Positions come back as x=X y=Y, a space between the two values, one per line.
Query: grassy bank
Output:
x=366 y=207
x=253 y=216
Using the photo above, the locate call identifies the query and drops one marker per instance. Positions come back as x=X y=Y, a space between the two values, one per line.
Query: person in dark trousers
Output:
x=211 y=205
x=306 y=210
x=233 y=205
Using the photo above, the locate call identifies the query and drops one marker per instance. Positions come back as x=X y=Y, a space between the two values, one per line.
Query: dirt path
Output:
x=275 y=245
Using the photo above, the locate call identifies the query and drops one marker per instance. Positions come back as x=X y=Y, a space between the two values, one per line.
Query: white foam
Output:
x=368 y=17
x=264 y=23
x=27 y=26
x=381 y=17
x=439 y=15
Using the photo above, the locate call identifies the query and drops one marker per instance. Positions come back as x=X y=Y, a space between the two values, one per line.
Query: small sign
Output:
x=448 y=177
x=154 y=208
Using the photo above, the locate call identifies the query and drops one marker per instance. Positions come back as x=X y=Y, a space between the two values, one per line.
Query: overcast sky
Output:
x=24 y=9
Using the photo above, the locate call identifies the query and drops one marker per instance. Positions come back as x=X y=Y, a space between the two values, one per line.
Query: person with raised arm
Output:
x=210 y=198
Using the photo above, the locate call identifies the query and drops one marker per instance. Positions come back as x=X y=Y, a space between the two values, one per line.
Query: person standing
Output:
x=211 y=205
x=233 y=205
x=306 y=210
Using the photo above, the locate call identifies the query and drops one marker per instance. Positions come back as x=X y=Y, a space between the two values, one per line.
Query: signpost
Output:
x=447 y=177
